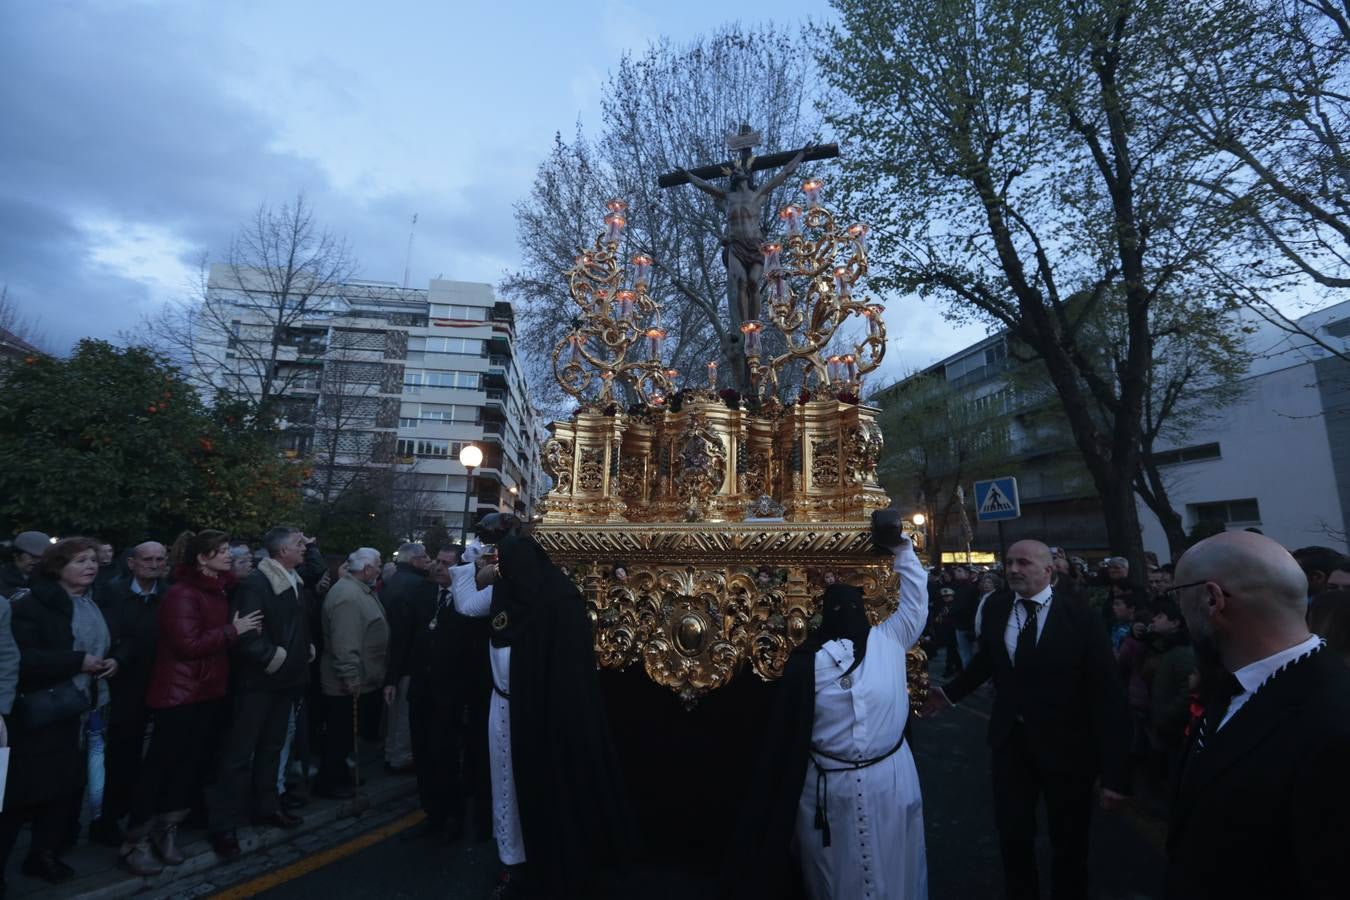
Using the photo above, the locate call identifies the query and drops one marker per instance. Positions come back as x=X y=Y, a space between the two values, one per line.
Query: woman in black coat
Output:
x=63 y=641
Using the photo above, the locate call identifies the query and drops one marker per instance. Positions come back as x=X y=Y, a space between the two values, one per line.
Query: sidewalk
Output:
x=98 y=876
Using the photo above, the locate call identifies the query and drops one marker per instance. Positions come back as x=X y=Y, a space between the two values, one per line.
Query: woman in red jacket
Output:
x=187 y=690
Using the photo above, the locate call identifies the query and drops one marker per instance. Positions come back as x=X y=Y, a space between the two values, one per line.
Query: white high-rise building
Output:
x=385 y=384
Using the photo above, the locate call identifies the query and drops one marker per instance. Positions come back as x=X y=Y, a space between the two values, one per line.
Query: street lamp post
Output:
x=470 y=457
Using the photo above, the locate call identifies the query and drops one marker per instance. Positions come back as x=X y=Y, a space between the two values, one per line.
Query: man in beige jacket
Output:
x=352 y=668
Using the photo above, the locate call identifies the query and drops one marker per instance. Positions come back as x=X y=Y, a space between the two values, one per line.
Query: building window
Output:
x=1339 y=328
x=422 y=447
x=439 y=378
x=1187 y=454
x=459 y=312
x=1227 y=512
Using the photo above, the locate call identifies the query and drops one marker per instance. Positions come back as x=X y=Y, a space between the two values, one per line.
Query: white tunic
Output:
x=470 y=601
x=875 y=814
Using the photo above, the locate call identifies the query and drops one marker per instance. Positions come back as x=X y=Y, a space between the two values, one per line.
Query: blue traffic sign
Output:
x=996 y=500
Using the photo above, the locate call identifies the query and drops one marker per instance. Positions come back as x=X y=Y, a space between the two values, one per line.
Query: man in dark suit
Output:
x=1263 y=804
x=1059 y=720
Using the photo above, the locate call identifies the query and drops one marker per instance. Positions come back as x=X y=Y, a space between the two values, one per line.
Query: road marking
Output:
x=318 y=860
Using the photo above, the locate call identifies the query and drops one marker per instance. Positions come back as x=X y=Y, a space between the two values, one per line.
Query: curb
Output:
x=112 y=883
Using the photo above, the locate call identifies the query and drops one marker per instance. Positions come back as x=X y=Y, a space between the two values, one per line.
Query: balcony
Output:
x=502 y=312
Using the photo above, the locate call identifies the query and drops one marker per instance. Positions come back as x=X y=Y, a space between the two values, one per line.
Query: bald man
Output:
x=1059 y=721
x=131 y=608
x=1263 y=806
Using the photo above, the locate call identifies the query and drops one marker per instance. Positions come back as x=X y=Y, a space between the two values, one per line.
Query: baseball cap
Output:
x=34 y=543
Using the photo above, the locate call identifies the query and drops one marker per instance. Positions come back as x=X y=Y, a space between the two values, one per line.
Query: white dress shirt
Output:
x=1253 y=675
x=1019 y=616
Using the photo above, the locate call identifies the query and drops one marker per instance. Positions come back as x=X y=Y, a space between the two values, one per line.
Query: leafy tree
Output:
x=1015 y=160
x=937 y=439
x=115 y=442
x=1264 y=88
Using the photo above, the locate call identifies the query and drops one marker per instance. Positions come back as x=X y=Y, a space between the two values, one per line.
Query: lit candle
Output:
x=654 y=338
x=792 y=219
x=614 y=223
x=777 y=288
x=615 y=205
x=852 y=365
x=626 y=300
x=859 y=234
x=772 y=257
x=751 y=331
x=841 y=283
x=834 y=364
x=812 y=187
x=642 y=264
x=874 y=319
x=712 y=375
x=576 y=350
x=658 y=399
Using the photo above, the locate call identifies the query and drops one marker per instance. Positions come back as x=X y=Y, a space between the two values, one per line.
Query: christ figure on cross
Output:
x=743 y=203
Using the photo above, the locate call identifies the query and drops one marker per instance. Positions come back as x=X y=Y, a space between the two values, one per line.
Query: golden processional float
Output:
x=703 y=527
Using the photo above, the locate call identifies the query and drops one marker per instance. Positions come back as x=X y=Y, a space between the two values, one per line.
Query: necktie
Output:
x=1026 y=638
x=443 y=600
x=1225 y=689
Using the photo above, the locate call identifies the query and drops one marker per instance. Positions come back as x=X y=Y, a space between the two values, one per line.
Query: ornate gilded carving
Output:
x=700 y=466
x=863 y=448
x=557 y=462
x=697 y=605
x=824 y=463
x=591 y=472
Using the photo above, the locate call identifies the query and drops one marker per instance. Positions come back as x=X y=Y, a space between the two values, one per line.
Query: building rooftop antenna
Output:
x=407 y=260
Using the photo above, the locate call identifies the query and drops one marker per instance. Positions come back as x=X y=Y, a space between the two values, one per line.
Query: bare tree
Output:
x=668 y=109
x=254 y=329
x=345 y=416
x=19 y=334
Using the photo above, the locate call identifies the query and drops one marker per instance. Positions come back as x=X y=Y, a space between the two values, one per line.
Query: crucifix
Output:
x=742 y=202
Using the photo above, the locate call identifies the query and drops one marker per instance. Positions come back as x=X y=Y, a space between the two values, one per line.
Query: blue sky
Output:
x=136 y=136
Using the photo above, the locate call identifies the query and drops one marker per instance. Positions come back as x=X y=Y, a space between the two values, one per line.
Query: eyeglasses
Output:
x=1173 y=593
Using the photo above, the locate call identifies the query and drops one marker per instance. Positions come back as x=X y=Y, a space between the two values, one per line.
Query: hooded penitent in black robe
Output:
x=760 y=861
x=573 y=815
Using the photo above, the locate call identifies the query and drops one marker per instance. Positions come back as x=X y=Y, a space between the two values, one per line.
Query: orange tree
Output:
x=115 y=442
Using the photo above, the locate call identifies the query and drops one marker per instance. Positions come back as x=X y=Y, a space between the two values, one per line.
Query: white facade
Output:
x=1279 y=458
x=378 y=378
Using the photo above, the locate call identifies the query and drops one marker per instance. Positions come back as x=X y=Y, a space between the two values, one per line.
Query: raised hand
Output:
x=936 y=703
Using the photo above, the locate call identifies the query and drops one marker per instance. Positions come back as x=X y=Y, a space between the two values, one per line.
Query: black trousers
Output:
x=1019 y=783
x=437 y=726
x=123 y=751
x=175 y=764
x=51 y=824
x=247 y=785
x=339 y=740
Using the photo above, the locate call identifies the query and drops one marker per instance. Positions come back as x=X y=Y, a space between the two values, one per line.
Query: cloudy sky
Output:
x=135 y=136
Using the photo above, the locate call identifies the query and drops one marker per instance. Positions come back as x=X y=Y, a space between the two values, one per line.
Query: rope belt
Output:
x=499 y=692
x=822 y=789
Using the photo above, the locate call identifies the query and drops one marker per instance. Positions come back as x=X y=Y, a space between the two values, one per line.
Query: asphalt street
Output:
x=953 y=763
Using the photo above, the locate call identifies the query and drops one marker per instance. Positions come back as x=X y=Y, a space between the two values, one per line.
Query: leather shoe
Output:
x=293 y=800
x=225 y=844
x=47 y=867
x=280 y=819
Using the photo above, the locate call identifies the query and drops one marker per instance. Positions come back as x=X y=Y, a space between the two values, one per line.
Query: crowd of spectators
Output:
x=205 y=686
x=1147 y=633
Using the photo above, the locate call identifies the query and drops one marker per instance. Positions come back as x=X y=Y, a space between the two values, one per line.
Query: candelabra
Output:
x=809 y=284
x=618 y=334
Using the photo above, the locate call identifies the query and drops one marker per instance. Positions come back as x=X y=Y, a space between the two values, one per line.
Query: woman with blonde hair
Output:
x=186 y=696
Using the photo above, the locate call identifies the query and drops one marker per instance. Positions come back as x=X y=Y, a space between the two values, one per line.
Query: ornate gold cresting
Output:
x=703 y=527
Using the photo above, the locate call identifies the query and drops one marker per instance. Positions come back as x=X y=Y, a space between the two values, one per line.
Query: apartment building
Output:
x=382 y=386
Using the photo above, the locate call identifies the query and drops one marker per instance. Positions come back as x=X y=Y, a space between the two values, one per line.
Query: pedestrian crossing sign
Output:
x=996 y=500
